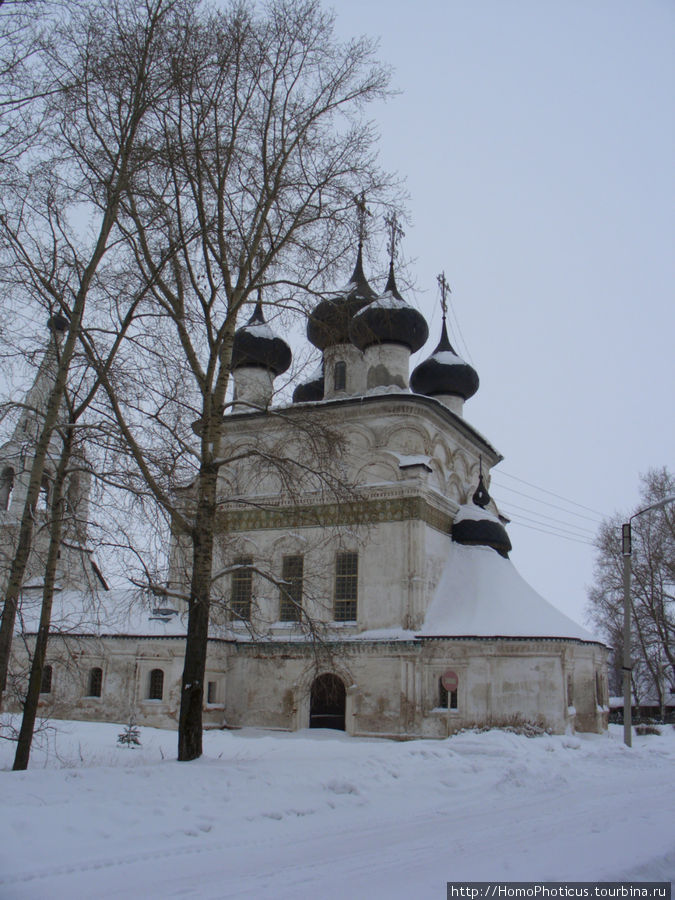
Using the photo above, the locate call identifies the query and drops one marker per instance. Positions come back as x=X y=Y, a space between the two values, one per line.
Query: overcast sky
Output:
x=537 y=139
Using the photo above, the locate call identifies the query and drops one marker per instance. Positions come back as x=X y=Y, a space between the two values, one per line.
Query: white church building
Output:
x=362 y=581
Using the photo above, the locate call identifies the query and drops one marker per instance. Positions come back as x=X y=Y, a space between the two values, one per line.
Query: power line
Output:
x=587 y=532
x=552 y=533
x=553 y=494
x=571 y=512
x=553 y=528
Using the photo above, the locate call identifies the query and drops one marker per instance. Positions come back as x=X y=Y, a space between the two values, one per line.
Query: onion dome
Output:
x=257 y=346
x=328 y=323
x=444 y=373
x=312 y=389
x=389 y=320
x=475 y=525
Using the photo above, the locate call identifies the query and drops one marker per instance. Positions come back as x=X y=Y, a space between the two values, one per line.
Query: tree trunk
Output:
x=25 y=541
x=192 y=687
x=30 y=706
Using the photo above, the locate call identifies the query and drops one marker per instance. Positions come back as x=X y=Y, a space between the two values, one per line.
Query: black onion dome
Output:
x=255 y=344
x=328 y=323
x=444 y=373
x=389 y=320
x=474 y=525
x=312 y=389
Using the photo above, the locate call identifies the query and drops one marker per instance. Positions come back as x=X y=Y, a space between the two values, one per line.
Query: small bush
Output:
x=647 y=729
x=513 y=725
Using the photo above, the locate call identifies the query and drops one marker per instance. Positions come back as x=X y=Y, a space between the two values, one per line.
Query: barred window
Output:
x=156 y=685
x=242 y=589
x=340 y=376
x=290 y=593
x=346 y=586
x=46 y=683
x=211 y=692
x=95 y=682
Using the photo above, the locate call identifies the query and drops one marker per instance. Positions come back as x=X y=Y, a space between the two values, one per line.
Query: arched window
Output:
x=6 y=487
x=156 y=685
x=43 y=497
x=46 y=684
x=340 y=376
x=95 y=682
x=446 y=699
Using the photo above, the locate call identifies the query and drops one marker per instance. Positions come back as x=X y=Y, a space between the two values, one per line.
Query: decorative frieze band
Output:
x=326 y=515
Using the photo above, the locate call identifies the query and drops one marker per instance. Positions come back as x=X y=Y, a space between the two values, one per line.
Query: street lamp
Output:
x=626 y=550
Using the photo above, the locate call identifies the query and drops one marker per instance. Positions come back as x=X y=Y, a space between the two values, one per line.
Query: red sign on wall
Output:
x=450 y=680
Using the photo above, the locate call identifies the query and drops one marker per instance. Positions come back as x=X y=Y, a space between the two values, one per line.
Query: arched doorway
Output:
x=327 y=703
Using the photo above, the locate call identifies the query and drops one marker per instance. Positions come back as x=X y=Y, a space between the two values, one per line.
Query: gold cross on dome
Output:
x=445 y=290
x=362 y=212
x=395 y=234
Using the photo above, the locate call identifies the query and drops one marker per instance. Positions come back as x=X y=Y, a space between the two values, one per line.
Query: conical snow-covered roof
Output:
x=481 y=594
x=444 y=373
x=389 y=319
x=256 y=345
x=328 y=323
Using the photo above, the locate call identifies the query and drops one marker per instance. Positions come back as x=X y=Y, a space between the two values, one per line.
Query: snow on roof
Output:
x=259 y=330
x=482 y=594
x=385 y=301
x=447 y=358
x=407 y=460
x=469 y=511
x=116 y=612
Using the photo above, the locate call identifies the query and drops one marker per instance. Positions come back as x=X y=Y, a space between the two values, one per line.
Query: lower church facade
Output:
x=361 y=580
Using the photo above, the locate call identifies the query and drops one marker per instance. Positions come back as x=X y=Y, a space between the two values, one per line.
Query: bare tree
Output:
x=253 y=165
x=60 y=198
x=653 y=589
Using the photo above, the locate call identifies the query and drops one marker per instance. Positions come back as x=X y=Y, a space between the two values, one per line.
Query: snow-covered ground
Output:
x=319 y=814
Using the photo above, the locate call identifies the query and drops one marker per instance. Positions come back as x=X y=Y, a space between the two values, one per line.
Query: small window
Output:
x=291 y=592
x=570 y=691
x=46 y=683
x=346 y=586
x=156 y=685
x=446 y=699
x=340 y=376
x=95 y=682
x=242 y=589
x=43 y=497
x=6 y=487
x=211 y=692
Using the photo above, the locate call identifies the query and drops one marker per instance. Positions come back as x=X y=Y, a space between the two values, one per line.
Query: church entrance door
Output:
x=327 y=703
